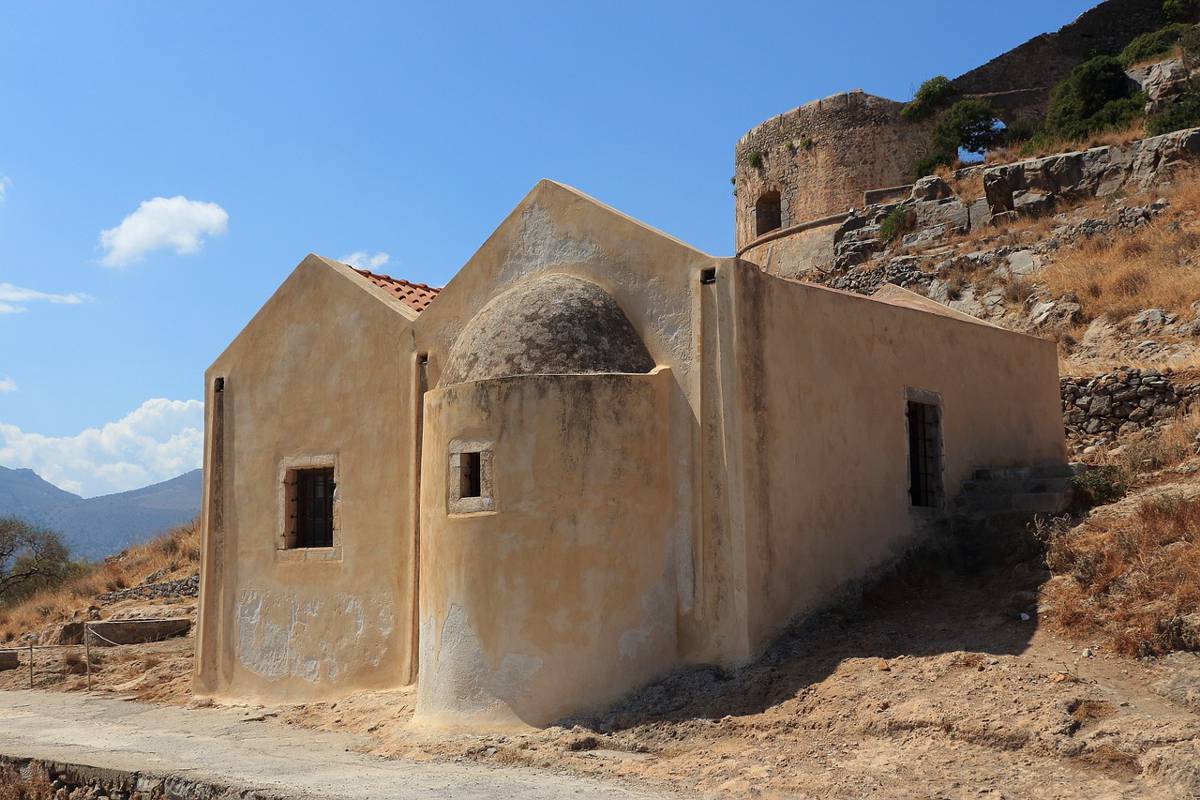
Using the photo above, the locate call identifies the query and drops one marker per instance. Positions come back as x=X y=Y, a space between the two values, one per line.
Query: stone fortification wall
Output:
x=1020 y=80
x=822 y=156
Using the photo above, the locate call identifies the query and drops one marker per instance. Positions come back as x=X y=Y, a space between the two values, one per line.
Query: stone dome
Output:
x=553 y=324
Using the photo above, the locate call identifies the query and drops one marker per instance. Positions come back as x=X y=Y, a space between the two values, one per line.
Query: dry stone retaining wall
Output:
x=1102 y=407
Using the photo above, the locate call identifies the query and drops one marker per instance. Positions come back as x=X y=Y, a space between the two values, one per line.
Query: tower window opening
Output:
x=768 y=213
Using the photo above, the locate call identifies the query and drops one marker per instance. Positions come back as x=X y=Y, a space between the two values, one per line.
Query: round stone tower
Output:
x=816 y=161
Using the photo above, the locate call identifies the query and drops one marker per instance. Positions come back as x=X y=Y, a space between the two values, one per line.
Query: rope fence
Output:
x=89 y=632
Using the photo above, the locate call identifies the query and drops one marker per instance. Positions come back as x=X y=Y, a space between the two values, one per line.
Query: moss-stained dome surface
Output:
x=549 y=325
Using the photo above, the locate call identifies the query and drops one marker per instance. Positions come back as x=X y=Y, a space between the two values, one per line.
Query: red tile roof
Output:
x=416 y=296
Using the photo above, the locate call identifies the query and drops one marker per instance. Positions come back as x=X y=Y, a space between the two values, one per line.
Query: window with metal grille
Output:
x=924 y=454
x=314 y=507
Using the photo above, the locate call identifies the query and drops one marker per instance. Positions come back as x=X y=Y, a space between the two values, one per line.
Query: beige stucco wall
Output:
x=822 y=388
x=322 y=372
x=656 y=281
x=799 y=254
x=562 y=597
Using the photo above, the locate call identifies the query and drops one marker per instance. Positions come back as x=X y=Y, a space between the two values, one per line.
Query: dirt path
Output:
x=239 y=750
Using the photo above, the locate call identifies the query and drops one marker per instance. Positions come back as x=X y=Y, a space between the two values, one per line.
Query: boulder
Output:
x=931 y=187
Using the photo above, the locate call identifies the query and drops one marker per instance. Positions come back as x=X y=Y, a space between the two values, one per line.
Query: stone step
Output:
x=1022 y=473
x=1027 y=502
x=974 y=488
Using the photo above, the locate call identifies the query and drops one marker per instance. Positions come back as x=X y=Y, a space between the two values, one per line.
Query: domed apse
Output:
x=549 y=325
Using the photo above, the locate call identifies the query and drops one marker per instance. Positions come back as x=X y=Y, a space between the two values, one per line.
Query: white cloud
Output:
x=7 y=384
x=11 y=295
x=159 y=223
x=5 y=183
x=364 y=260
x=158 y=440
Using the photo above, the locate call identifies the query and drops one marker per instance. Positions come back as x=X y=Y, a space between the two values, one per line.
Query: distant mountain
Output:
x=100 y=526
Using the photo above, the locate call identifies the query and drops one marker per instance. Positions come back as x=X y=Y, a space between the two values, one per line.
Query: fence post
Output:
x=31 y=666
x=87 y=654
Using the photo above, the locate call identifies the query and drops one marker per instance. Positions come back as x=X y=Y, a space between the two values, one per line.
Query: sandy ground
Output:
x=931 y=686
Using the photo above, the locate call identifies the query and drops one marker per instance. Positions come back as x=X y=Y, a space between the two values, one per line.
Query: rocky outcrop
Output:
x=1034 y=186
x=1162 y=82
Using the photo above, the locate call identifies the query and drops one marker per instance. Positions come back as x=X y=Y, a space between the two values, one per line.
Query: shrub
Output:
x=1151 y=44
x=31 y=558
x=1097 y=486
x=1019 y=130
x=1181 y=10
x=754 y=159
x=899 y=221
x=969 y=125
x=1189 y=46
x=933 y=94
x=1096 y=95
x=1183 y=113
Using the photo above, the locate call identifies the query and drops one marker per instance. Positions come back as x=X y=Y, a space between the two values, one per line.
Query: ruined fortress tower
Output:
x=798 y=174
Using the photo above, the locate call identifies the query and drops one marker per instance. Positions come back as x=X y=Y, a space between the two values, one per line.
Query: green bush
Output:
x=1096 y=95
x=901 y=220
x=969 y=125
x=1181 y=10
x=933 y=94
x=1097 y=486
x=929 y=163
x=755 y=159
x=1019 y=130
x=1189 y=44
x=1154 y=43
x=1184 y=112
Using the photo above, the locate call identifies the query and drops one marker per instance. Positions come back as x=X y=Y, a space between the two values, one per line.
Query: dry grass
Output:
x=1040 y=148
x=1172 y=445
x=967 y=188
x=173 y=555
x=35 y=786
x=1154 y=267
x=1128 y=580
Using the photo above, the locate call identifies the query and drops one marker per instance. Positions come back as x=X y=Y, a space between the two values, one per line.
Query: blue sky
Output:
x=268 y=130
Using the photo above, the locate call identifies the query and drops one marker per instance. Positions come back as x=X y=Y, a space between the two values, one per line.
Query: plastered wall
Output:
x=322 y=372
x=562 y=597
x=824 y=429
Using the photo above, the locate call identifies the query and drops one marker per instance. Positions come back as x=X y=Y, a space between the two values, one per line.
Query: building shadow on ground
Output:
x=927 y=605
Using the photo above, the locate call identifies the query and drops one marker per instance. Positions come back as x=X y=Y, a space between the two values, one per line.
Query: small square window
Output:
x=469 y=474
x=469 y=484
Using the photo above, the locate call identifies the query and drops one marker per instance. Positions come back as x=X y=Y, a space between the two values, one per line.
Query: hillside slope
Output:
x=100 y=526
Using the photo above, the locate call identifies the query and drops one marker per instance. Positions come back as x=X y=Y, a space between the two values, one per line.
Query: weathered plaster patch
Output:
x=280 y=634
x=538 y=244
x=456 y=676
